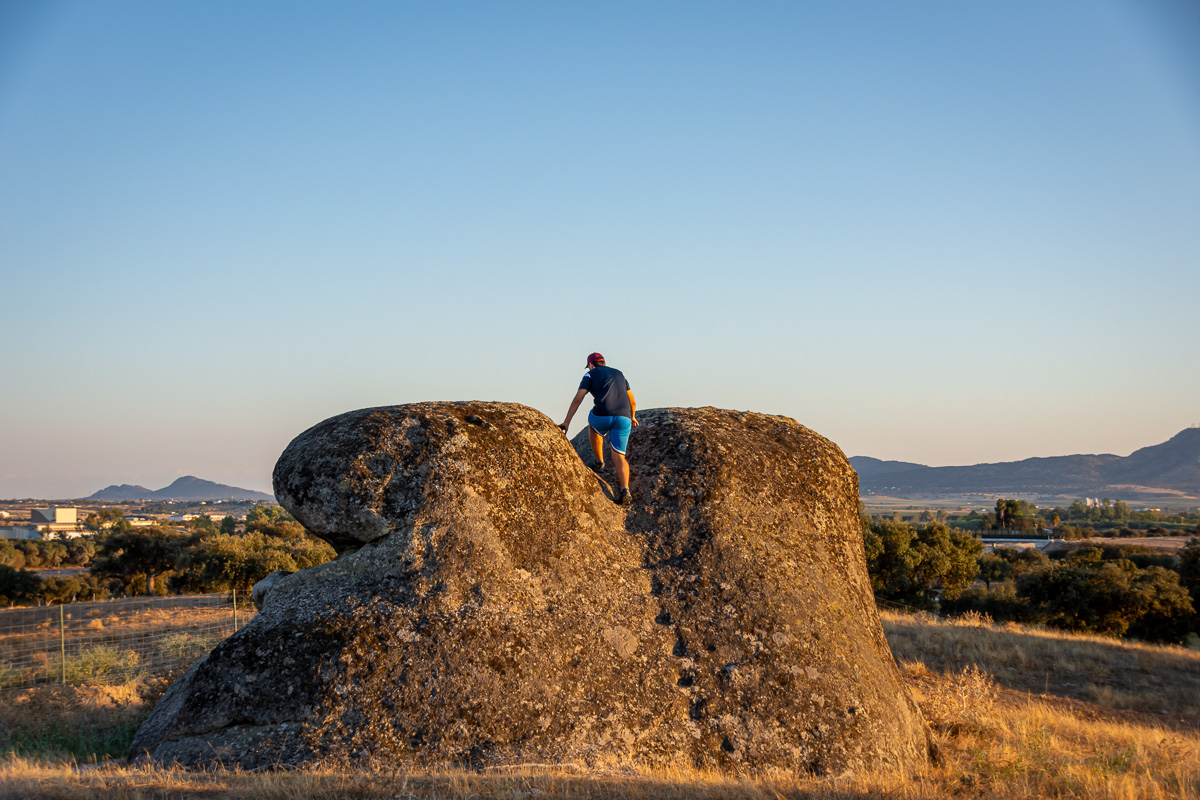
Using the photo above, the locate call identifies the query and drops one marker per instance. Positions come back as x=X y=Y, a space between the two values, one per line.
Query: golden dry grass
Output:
x=29 y=780
x=115 y=620
x=999 y=738
x=74 y=706
x=1004 y=743
x=1112 y=677
x=118 y=640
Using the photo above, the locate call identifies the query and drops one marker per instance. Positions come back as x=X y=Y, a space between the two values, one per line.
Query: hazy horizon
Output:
x=935 y=232
x=163 y=482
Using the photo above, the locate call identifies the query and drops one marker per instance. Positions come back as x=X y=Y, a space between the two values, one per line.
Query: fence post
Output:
x=235 y=610
x=62 y=641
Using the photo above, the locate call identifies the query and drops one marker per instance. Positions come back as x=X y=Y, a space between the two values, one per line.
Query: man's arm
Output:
x=579 y=395
x=632 y=408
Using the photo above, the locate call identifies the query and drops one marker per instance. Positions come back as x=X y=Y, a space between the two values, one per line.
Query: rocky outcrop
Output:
x=260 y=590
x=490 y=605
x=752 y=541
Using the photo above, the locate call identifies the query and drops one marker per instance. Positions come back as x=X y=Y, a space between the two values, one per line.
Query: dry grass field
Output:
x=110 y=642
x=1017 y=713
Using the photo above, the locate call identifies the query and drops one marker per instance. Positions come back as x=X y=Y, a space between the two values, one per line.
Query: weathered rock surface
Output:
x=491 y=606
x=260 y=590
x=752 y=541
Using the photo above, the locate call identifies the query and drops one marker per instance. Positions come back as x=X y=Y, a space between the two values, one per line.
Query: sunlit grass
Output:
x=1117 y=674
x=999 y=737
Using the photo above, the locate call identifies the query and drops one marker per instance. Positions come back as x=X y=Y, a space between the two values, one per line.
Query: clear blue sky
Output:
x=942 y=232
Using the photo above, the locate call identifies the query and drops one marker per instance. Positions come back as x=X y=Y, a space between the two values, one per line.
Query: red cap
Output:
x=595 y=358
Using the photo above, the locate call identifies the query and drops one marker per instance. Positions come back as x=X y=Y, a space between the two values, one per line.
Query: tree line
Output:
x=1017 y=516
x=46 y=554
x=1114 y=589
x=203 y=557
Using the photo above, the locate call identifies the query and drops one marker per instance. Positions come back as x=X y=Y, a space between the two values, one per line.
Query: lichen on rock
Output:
x=491 y=605
x=752 y=541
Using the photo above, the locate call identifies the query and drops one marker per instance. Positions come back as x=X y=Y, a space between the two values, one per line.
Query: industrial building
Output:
x=47 y=523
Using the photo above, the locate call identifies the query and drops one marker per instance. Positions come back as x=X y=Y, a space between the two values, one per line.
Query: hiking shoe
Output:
x=623 y=498
x=596 y=468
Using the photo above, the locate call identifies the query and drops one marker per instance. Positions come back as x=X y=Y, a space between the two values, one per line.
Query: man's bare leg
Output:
x=622 y=468
x=597 y=445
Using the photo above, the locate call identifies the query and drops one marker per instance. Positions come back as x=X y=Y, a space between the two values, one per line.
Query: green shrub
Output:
x=1112 y=598
x=10 y=676
x=185 y=648
x=220 y=563
x=83 y=743
x=101 y=665
x=912 y=566
x=1001 y=603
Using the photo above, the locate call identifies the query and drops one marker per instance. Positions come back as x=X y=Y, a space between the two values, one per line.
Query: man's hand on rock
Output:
x=563 y=425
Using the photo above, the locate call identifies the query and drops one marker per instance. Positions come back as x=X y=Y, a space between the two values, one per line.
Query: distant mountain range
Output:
x=188 y=487
x=1170 y=469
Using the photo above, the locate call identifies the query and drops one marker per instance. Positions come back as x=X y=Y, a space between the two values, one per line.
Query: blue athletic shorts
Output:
x=617 y=428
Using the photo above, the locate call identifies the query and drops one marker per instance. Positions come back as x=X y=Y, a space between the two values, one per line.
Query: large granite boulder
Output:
x=751 y=532
x=490 y=605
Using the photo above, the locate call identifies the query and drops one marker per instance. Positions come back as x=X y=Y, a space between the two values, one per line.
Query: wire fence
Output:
x=113 y=641
x=900 y=607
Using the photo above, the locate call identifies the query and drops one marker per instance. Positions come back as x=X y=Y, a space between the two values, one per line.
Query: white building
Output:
x=54 y=516
x=49 y=523
x=20 y=532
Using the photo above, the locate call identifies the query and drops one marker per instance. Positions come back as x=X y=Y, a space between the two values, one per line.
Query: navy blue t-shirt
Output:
x=608 y=387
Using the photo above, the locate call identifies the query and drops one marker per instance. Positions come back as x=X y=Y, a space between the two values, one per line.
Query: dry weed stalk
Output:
x=964 y=698
x=1157 y=680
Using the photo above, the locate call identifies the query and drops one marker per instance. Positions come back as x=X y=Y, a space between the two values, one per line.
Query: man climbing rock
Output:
x=614 y=412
